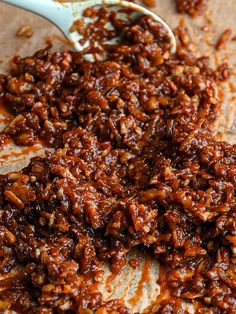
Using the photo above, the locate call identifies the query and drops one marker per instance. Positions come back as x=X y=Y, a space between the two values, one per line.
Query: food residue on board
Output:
x=25 y=31
x=149 y=3
x=192 y=7
x=224 y=38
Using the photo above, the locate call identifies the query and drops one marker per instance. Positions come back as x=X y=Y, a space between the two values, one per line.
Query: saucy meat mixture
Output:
x=136 y=165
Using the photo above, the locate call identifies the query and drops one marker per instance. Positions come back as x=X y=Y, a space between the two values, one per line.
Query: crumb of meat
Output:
x=224 y=38
x=192 y=7
x=48 y=40
x=25 y=31
x=78 y=26
x=149 y=3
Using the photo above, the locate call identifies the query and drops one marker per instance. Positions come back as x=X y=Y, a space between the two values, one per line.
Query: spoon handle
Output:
x=46 y=8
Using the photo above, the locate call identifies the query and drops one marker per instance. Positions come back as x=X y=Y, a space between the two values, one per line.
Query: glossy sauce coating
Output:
x=136 y=164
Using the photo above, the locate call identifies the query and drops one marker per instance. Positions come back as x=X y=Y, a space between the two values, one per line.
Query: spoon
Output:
x=63 y=14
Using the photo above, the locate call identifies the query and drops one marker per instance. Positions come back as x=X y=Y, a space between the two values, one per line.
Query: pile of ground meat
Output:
x=135 y=165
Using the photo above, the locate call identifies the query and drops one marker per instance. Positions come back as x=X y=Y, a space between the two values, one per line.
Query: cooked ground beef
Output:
x=136 y=164
x=224 y=38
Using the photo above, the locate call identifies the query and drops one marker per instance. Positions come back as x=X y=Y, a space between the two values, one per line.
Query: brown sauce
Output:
x=24 y=152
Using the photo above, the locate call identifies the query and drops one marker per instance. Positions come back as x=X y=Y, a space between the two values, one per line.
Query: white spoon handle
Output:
x=60 y=15
x=45 y=8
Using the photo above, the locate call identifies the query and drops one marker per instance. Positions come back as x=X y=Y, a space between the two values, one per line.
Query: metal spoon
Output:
x=63 y=14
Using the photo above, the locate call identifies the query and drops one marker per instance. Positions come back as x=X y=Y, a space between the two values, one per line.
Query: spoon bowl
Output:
x=63 y=14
